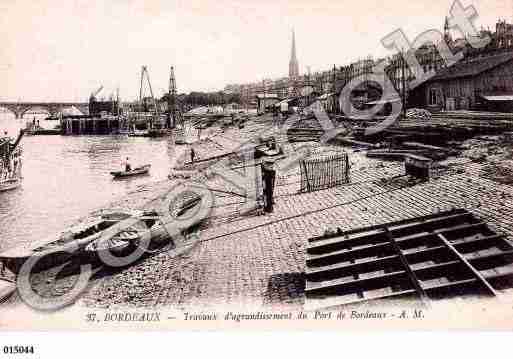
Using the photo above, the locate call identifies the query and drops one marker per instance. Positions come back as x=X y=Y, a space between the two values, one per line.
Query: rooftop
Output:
x=472 y=67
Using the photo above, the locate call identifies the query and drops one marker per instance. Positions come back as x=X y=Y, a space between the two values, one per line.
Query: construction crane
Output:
x=144 y=71
x=171 y=100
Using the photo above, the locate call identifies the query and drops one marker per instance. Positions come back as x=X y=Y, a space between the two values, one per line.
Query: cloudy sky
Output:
x=63 y=50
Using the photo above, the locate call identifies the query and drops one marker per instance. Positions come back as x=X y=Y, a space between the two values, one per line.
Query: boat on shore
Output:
x=180 y=136
x=44 y=132
x=134 y=172
x=7 y=288
x=56 y=250
x=122 y=243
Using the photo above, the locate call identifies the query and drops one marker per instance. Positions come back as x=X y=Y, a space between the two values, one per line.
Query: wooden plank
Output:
x=411 y=274
x=490 y=256
x=331 y=271
x=435 y=267
x=430 y=288
x=462 y=243
x=488 y=240
x=460 y=227
x=417 y=226
x=334 y=287
x=475 y=272
x=453 y=214
x=317 y=260
x=333 y=303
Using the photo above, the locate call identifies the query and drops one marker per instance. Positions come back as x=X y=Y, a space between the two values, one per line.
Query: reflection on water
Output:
x=66 y=177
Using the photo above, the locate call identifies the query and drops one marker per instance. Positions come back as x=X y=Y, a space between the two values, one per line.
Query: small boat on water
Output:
x=54 y=251
x=9 y=184
x=138 y=133
x=136 y=171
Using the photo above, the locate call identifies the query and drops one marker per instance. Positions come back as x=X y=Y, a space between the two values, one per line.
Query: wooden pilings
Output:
x=91 y=125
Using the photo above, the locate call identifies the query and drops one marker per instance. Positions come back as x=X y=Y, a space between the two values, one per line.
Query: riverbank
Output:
x=250 y=259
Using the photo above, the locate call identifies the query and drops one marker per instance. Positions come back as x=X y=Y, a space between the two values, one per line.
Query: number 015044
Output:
x=18 y=349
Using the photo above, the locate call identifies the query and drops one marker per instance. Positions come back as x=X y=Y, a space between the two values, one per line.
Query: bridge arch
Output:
x=52 y=108
x=38 y=108
x=8 y=109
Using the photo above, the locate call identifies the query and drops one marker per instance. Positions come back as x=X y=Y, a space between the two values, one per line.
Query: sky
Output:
x=64 y=50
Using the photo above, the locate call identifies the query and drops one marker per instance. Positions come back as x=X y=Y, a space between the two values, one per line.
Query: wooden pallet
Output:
x=431 y=257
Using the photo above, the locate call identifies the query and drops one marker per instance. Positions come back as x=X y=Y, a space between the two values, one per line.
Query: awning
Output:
x=498 y=97
x=381 y=102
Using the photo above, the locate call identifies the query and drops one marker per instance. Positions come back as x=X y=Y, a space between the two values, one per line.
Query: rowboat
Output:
x=180 y=136
x=139 y=133
x=121 y=243
x=7 y=289
x=58 y=249
x=9 y=184
x=136 y=171
x=125 y=241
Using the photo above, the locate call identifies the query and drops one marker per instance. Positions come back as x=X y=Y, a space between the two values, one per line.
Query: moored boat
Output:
x=57 y=250
x=136 y=171
x=9 y=184
x=125 y=241
x=7 y=289
x=180 y=136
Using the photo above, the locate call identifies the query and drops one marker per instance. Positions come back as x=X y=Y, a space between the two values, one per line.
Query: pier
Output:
x=88 y=125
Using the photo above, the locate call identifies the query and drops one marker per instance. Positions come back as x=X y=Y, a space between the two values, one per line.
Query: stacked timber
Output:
x=304 y=134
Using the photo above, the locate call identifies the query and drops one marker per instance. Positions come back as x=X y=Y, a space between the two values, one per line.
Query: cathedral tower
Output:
x=293 y=64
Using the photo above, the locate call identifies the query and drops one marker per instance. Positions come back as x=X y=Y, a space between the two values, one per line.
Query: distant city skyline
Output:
x=54 y=51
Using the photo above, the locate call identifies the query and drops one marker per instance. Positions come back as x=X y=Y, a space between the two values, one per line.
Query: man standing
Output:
x=193 y=154
x=268 y=178
x=128 y=168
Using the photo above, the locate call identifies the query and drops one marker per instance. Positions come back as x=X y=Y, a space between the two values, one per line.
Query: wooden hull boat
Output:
x=180 y=137
x=158 y=133
x=10 y=184
x=56 y=251
x=7 y=289
x=139 y=133
x=136 y=171
x=124 y=242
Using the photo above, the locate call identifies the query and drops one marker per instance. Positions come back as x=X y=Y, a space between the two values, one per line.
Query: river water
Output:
x=66 y=177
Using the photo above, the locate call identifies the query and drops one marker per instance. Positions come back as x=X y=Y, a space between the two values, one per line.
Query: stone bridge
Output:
x=53 y=108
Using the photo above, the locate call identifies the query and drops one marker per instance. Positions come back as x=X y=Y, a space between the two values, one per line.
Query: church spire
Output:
x=447 y=32
x=293 y=64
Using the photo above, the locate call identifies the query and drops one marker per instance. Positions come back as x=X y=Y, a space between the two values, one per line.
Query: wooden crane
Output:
x=145 y=74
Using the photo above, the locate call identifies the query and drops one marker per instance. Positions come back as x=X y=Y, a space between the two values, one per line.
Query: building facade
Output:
x=481 y=83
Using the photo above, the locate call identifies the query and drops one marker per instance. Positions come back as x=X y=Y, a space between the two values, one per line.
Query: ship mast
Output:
x=171 y=100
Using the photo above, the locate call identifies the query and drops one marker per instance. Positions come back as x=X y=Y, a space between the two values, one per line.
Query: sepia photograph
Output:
x=255 y=165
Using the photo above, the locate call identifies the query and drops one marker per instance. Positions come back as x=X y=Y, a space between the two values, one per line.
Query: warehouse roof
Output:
x=472 y=67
